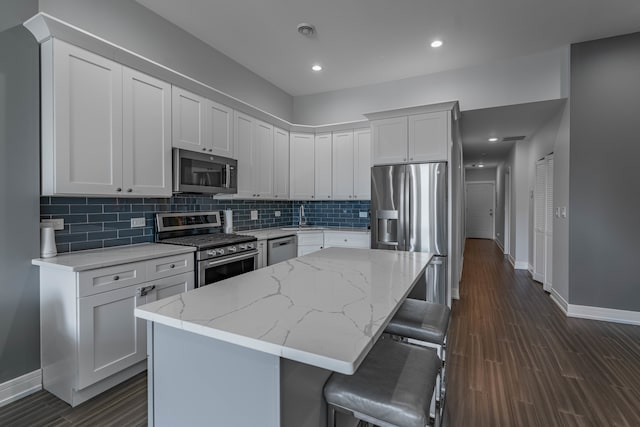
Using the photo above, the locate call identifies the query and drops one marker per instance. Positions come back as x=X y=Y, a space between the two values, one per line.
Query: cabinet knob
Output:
x=312 y=197
x=349 y=196
x=355 y=197
x=404 y=160
x=116 y=277
x=172 y=266
x=204 y=149
x=211 y=150
x=118 y=189
x=328 y=197
x=411 y=158
x=276 y=196
x=129 y=190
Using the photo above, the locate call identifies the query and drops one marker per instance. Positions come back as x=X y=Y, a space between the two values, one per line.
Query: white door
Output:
x=244 y=135
x=218 y=121
x=428 y=137
x=342 y=165
x=87 y=96
x=480 y=207
x=362 y=164
x=322 y=155
x=263 y=160
x=547 y=283
x=302 y=172
x=539 y=220
x=146 y=152
x=389 y=139
x=280 y=164
x=188 y=120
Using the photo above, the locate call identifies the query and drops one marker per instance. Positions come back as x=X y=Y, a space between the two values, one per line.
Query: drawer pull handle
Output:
x=116 y=277
x=172 y=266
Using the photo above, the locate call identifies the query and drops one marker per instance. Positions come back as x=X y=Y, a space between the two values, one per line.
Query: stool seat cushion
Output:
x=394 y=384
x=421 y=320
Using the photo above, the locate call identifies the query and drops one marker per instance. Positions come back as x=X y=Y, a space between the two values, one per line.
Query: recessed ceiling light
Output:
x=480 y=165
x=436 y=43
x=493 y=139
x=317 y=67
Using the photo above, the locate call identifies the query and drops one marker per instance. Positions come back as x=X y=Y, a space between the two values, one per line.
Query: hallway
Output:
x=515 y=359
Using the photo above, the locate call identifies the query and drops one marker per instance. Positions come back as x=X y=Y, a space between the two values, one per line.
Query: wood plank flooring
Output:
x=515 y=359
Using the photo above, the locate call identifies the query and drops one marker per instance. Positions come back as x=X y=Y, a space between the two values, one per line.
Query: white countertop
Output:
x=325 y=309
x=274 y=233
x=99 y=258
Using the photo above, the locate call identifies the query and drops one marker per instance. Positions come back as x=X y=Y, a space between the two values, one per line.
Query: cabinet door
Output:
x=342 y=165
x=82 y=136
x=169 y=286
x=263 y=160
x=389 y=140
x=188 y=120
x=218 y=121
x=302 y=166
x=244 y=135
x=428 y=137
x=146 y=153
x=280 y=164
x=262 y=254
x=322 y=155
x=110 y=338
x=362 y=164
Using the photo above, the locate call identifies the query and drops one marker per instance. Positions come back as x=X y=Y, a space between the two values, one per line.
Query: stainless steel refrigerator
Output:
x=409 y=213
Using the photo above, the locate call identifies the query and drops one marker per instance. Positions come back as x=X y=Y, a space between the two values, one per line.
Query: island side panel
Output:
x=201 y=381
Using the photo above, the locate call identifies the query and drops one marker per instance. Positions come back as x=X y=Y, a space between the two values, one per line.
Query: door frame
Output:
x=493 y=209
x=507 y=211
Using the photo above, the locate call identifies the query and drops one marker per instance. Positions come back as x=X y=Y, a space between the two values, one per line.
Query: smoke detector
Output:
x=308 y=30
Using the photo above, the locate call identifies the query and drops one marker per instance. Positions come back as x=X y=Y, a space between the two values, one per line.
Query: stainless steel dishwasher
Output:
x=281 y=249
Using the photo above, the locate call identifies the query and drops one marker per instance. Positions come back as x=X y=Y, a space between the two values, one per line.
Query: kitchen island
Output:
x=256 y=349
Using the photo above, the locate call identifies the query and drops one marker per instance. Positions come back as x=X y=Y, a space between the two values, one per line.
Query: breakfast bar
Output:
x=256 y=349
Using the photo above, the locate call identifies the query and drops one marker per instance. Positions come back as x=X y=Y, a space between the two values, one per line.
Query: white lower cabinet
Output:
x=309 y=242
x=342 y=239
x=262 y=254
x=90 y=337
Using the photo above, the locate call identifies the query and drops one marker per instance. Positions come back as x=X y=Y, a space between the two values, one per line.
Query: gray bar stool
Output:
x=424 y=323
x=394 y=386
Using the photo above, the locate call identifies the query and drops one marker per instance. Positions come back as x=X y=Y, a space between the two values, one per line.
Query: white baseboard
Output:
x=536 y=276
x=499 y=245
x=521 y=265
x=560 y=301
x=17 y=388
x=455 y=293
x=604 y=314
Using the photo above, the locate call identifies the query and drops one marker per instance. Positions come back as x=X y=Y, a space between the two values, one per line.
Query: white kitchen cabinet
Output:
x=280 y=164
x=413 y=138
x=102 y=126
x=90 y=337
x=200 y=124
x=302 y=174
x=347 y=239
x=310 y=242
x=262 y=254
x=362 y=164
x=343 y=165
x=322 y=166
x=255 y=148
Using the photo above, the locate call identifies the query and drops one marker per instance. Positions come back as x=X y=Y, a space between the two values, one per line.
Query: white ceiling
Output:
x=361 y=42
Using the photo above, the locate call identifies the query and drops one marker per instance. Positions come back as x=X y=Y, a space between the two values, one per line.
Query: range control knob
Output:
x=212 y=252
x=231 y=249
x=249 y=245
x=220 y=251
x=243 y=247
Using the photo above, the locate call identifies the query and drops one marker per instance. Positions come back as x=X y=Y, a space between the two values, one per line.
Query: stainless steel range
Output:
x=219 y=255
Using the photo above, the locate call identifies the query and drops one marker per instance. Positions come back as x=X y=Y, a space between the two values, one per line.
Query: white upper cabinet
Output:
x=413 y=138
x=322 y=155
x=302 y=163
x=280 y=164
x=255 y=147
x=85 y=149
x=428 y=137
x=200 y=124
x=389 y=140
x=343 y=165
x=362 y=164
x=146 y=156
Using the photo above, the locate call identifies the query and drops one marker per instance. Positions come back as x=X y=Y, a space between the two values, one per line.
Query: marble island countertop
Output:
x=325 y=309
x=274 y=233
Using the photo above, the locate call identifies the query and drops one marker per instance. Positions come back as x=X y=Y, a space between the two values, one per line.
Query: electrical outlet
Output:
x=277 y=214
x=57 y=223
x=138 y=222
x=563 y=212
x=362 y=214
x=254 y=215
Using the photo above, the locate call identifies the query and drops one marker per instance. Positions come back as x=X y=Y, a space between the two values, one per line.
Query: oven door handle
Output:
x=239 y=257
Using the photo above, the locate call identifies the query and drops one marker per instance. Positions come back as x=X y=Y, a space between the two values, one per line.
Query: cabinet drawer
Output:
x=169 y=266
x=311 y=239
x=347 y=240
x=106 y=279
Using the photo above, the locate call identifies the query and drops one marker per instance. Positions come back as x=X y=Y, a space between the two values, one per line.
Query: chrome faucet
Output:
x=301 y=219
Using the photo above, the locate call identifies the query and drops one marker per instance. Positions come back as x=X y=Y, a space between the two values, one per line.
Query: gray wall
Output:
x=19 y=203
x=560 y=273
x=15 y=12
x=605 y=148
x=519 y=80
x=499 y=213
x=482 y=174
x=130 y=25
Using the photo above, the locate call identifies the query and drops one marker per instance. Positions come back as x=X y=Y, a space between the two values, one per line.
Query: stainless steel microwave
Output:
x=195 y=172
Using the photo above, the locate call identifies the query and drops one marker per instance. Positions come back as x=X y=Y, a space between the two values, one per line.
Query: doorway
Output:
x=481 y=202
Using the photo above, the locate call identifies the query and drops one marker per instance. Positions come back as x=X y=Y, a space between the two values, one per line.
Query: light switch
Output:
x=557 y=212
x=563 y=212
x=277 y=214
x=254 y=215
x=362 y=214
x=138 y=222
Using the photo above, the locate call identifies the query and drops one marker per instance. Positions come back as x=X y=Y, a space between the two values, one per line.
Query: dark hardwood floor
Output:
x=514 y=360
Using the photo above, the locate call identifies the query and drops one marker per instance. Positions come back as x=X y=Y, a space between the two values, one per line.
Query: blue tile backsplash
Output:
x=101 y=222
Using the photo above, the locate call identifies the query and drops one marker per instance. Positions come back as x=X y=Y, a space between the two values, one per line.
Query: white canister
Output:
x=47 y=242
x=228 y=221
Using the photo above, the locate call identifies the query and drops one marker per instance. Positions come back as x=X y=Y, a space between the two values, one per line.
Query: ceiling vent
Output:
x=513 y=138
x=308 y=30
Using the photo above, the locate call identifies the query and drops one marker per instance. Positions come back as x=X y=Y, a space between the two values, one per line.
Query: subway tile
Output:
x=116 y=242
x=73 y=219
x=54 y=209
x=85 y=209
x=68 y=200
x=83 y=246
x=68 y=238
x=44 y=200
x=101 y=235
x=117 y=225
x=62 y=247
x=87 y=227
x=102 y=217
x=141 y=239
x=102 y=200
x=130 y=232
x=116 y=208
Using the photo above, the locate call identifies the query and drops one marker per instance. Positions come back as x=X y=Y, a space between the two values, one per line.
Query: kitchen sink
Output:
x=304 y=227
